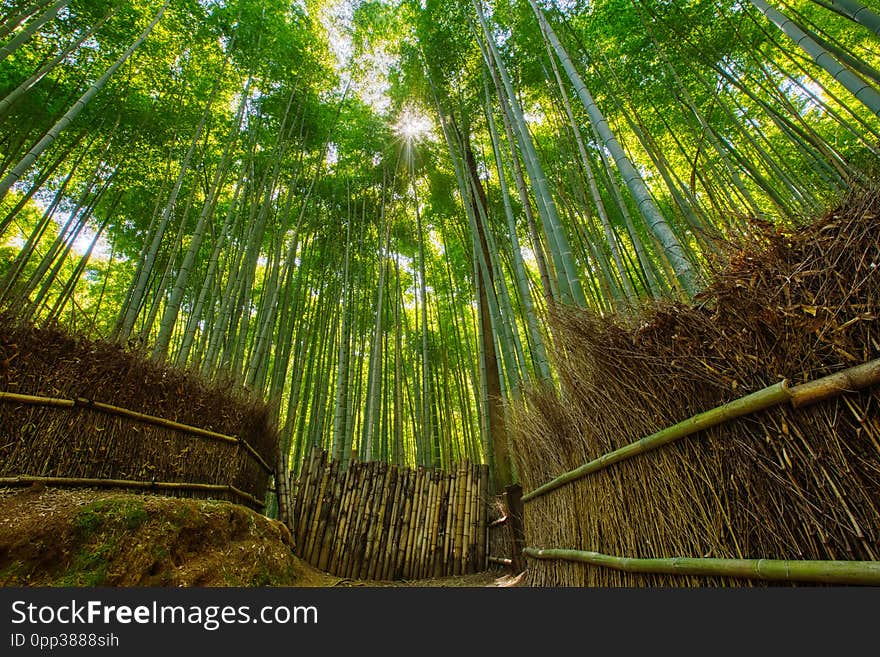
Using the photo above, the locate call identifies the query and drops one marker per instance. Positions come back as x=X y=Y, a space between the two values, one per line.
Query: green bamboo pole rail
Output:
x=109 y=409
x=854 y=378
x=823 y=572
x=24 y=480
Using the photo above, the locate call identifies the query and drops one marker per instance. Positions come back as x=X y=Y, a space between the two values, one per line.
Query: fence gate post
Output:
x=514 y=504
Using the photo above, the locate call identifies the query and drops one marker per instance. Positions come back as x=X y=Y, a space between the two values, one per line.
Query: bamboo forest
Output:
x=442 y=259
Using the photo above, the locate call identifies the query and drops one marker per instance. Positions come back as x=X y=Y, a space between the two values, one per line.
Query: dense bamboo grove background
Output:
x=784 y=484
x=81 y=443
x=363 y=211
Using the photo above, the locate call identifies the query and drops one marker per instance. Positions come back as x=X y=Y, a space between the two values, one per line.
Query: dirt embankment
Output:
x=53 y=537
x=85 y=537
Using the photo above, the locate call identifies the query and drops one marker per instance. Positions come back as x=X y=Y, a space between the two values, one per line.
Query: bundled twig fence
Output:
x=381 y=522
x=167 y=430
x=109 y=409
x=795 y=482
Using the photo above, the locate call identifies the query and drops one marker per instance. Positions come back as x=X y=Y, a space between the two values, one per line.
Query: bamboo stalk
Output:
x=834 y=385
x=824 y=572
x=24 y=480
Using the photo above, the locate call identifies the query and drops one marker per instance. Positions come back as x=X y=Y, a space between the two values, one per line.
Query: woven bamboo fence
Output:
x=166 y=431
x=377 y=521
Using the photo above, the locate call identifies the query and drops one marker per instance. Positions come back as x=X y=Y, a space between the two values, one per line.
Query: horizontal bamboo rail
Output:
x=833 y=385
x=503 y=561
x=109 y=409
x=24 y=480
x=822 y=572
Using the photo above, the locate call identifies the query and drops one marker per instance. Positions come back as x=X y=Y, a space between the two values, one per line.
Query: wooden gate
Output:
x=378 y=521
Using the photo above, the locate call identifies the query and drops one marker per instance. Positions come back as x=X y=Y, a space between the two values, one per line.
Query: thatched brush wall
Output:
x=782 y=484
x=81 y=443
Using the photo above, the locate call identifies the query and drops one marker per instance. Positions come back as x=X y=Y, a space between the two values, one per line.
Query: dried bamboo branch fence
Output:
x=828 y=387
x=380 y=522
x=167 y=429
x=795 y=482
x=97 y=482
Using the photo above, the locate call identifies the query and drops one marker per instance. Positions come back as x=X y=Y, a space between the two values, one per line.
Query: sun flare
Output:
x=413 y=125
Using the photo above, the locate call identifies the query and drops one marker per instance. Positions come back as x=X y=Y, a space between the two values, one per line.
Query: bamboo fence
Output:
x=142 y=418
x=376 y=521
x=167 y=429
x=790 y=473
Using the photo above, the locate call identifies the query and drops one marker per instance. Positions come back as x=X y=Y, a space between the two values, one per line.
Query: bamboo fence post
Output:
x=394 y=525
x=344 y=510
x=400 y=552
x=416 y=527
x=356 y=548
x=467 y=530
x=439 y=522
x=459 y=520
x=433 y=528
x=351 y=524
x=304 y=494
x=414 y=523
x=426 y=533
x=375 y=514
x=315 y=520
x=474 y=520
x=450 y=524
x=483 y=531
x=387 y=529
x=323 y=514
x=332 y=520
x=424 y=519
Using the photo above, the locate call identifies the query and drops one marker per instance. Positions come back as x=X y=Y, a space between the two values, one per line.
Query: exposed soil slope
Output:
x=54 y=537
x=86 y=537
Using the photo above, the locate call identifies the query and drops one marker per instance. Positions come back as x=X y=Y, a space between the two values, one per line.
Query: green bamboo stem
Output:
x=827 y=387
x=780 y=570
